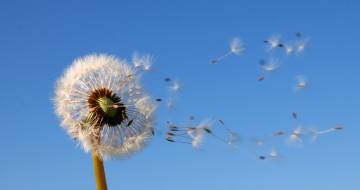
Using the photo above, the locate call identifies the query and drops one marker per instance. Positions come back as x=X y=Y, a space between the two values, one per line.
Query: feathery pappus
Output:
x=301 y=82
x=273 y=42
x=96 y=103
x=271 y=65
x=236 y=47
x=142 y=62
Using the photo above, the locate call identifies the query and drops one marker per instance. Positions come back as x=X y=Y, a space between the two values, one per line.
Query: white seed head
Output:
x=83 y=85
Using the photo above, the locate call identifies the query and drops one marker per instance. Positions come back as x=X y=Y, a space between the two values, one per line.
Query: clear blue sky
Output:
x=39 y=39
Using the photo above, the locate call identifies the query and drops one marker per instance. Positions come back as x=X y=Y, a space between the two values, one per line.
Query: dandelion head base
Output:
x=105 y=108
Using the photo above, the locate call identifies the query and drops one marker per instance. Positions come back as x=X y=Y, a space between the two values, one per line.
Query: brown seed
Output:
x=261 y=78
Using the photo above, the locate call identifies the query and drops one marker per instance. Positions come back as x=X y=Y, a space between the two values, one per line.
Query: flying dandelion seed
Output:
x=271 y=66
x=298 y=34
x=273 y=154
x=273 y=42
x=301 y=46
x=289 y=49
x=301 y=82
x=296 y=135
x=315 y=133
x=145 y=62
x=175 y=86
x=236 y=47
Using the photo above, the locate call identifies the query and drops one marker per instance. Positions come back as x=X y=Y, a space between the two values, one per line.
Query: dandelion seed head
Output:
x=96 y=108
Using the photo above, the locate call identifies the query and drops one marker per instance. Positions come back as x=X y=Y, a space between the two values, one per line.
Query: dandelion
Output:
x=271 y=66
x=95 y=103
x=236 y=47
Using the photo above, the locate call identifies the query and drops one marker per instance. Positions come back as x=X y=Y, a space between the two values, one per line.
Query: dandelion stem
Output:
x=99 y=172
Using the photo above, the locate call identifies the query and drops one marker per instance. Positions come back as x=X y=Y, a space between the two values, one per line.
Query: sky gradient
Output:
x=39 y=39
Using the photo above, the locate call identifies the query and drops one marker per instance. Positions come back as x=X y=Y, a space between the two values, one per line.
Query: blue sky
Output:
x=39 y=39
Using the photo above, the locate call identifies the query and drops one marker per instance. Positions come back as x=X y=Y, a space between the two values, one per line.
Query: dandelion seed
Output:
x=296 y=135
x=273 y=154
x=191 y=117
x=175 y=87
x=236 y=47
x=301 y=45
x=289 y=49
x=298 y=34
x=271 y=66
x=316 y=133
x=96 y=107
x=273 y=42
x=144 y=61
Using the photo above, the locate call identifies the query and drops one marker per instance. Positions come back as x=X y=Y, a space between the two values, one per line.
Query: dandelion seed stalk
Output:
x=99 y=172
